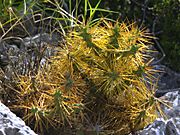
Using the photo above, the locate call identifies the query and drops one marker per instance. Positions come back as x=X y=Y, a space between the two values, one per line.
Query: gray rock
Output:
x=10 y=124
x=25 y=55
x=157 y=128
x=171 y=126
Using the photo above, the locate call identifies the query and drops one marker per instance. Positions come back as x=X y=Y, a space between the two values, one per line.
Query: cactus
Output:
x=115 y=57
x=50 y=98
x=102 y=70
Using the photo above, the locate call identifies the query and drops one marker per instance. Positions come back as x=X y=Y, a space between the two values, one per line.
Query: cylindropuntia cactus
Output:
x=115 y=57
x=51 y=98
x=101 y=68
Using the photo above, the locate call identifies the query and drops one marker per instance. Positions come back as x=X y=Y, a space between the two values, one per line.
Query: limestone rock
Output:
x=10 y=124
